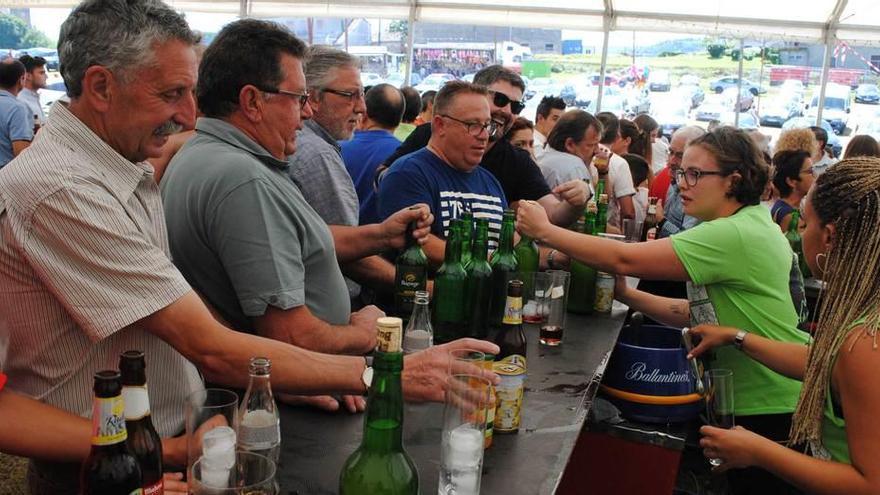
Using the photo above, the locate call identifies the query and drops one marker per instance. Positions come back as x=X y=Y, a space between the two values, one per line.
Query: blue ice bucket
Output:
x=648 y=377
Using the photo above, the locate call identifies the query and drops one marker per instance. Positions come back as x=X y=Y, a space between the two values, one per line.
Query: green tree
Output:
x=15 y=33
x=716 y=50
x=399 y=27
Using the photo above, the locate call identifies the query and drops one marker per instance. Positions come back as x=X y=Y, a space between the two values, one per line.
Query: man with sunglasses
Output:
x=514 y=168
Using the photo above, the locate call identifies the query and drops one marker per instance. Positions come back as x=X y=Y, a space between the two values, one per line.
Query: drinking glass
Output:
x=719 y=401
x=460 y=358
x=206 y=410
x=554 y=325
x=253 y=474
x=464 y=425
x=632 y=230
x=536 y=294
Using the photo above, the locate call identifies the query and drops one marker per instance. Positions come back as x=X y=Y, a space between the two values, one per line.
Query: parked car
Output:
x=776 y=112
x=746 y=99
x=837 y=106
x=722 y=83
x=612 y=101
x=370 y=79
x=658 y=80
x=53 y=92
x=692 y=93
x=805 y=122
x=434 y=82
x=792 y=85
x=609 y=80
x=671 y=116
x=51 y=56
x=867 y=93
x=637 y=101
x=710 y=110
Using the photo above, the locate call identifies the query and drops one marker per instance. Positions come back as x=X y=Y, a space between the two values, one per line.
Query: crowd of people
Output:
x=205 y=206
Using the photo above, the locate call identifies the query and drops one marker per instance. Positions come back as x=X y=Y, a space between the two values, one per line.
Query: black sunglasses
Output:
x=501 y=100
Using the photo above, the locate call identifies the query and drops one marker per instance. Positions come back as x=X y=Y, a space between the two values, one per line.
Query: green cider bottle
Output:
x=526 y=251
x=794 y=240
x=380 y=465
x=582 y=286
x=410 y=274
x=601 y=214
x=479 y=279
x=504 y=269
x=450 y=317
x=467 y=231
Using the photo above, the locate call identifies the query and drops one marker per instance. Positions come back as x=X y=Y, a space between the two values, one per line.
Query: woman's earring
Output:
x=819 y=263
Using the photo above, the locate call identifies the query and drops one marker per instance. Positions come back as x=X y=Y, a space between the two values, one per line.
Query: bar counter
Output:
x=561 y=384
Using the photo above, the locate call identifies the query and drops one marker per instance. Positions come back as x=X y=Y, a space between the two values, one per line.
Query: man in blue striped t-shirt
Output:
x=446 y=174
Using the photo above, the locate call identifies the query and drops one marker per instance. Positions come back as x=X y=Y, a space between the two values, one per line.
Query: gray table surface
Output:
x=561 y=385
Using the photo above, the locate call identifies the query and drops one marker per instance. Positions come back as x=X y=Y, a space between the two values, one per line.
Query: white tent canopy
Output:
x=856 y=21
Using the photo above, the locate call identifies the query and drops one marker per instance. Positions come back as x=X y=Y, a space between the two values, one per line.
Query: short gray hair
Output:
x=320 y=62
x=690 y=133
x=117 y=34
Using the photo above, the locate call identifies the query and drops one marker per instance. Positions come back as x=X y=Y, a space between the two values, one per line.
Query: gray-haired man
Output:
x=84 y=267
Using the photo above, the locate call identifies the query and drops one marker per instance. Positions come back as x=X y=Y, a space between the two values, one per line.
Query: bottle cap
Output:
x=389 y=332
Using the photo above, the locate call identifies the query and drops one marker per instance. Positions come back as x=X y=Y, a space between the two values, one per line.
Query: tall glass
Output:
x=207 y=410
x=554 y=325
x=253 y=474
x=464 y=424
x=536 y=295
x=719 y=401
x=632 y=229
x=460 y=358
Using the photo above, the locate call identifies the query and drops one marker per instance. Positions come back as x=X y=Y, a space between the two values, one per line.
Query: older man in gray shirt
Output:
x=317 y=167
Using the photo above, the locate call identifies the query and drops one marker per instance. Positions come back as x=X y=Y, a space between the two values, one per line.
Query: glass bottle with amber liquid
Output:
x=410 y=274
x=110 y=468
x=381 y=465
x=511 y=338
x=143 y=440
x=504 y=268
x=649 y=229
x=449 y=315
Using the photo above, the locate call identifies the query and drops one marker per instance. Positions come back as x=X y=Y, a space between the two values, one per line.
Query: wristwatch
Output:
x=740 y=339
x=551 y=262
x=367 y=375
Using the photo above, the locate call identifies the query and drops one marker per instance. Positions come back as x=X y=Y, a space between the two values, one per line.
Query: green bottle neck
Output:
x=453 y=247
x=505 y=245
x=383 y=424
x=480 y=250
x=793 y=223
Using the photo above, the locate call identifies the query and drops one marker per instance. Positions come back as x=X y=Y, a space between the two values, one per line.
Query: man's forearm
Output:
x=223 y=355
x=560 y=212
x=373 y=271
x=354 y=243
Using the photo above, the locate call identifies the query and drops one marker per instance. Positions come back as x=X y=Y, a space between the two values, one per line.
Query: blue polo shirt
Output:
x=362 y=155
x=16 y=124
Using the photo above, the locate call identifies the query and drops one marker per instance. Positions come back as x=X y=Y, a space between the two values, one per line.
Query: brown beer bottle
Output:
x=511 y=338
x=110 y=468
x=143 y=441
x=649 y=230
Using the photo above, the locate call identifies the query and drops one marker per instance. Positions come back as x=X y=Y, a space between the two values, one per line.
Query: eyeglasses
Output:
x=351 y=95
x=476 y=128
x=302 y=97
x=692 y=175
x=501 y=100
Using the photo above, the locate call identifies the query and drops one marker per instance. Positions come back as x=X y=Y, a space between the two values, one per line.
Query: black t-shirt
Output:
x=514 y=168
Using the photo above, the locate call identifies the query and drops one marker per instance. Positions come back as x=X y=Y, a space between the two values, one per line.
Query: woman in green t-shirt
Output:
x=736 y=264
x=840 y=368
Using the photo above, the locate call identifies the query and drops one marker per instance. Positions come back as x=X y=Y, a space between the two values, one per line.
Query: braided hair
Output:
x=848 y=196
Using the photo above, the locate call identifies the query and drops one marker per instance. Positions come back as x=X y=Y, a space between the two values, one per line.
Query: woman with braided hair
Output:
x=736 y=264
x=839 y=404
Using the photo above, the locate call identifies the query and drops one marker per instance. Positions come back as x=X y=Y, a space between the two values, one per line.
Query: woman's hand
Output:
x=735 y=447
x=532 y=220
x=710 y=337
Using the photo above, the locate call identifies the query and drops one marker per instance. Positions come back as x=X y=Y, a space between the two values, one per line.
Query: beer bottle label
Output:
x=108 y=421
x=137 y=402
x=156 y=488
x=652 y=233
x=412 y=278
x=513 y=311
x=389 y=334
x=517 y=359
x=139 y=491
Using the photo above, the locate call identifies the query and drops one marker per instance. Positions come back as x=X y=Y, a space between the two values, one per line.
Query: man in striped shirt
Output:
x=84 y=266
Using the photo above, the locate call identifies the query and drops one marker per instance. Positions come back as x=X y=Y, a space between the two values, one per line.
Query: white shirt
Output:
x=619 y=184
x=540 y=141
x=559 y=167
x=659 y=155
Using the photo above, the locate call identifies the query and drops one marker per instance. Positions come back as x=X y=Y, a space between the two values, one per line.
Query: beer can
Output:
x=509 y=396
x=490 y=413
x=604 y=292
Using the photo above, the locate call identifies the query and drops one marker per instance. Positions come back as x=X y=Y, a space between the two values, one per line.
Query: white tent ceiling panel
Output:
x=352 y=9
x=861 y=13
x=509 y=17
x=722 y=29
x=592 y=6
x=769 y=10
